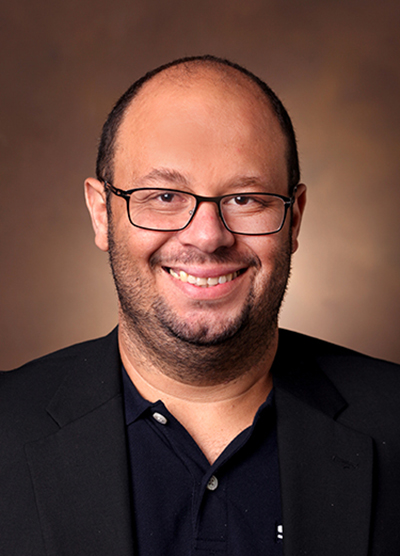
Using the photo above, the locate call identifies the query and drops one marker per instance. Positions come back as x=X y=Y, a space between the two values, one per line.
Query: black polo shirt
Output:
x=184 y=506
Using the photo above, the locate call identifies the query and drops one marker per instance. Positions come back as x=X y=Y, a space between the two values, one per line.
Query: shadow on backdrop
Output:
x=337 y=69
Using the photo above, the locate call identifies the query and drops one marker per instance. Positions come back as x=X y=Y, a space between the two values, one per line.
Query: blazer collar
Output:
x=92 y=378
x=296 y=370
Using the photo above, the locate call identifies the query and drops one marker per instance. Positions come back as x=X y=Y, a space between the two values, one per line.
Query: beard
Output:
x=200 y=351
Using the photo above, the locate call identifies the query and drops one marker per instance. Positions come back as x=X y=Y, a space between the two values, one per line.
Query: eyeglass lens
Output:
x=171 y=210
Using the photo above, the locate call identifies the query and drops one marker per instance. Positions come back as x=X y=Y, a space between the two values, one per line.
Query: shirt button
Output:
x=212 y=483
x=160 y=418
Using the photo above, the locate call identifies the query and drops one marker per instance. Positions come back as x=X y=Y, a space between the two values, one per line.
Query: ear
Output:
x=297 y=214
x=96 y=203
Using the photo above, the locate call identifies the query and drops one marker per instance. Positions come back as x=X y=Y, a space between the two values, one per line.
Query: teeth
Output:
x=203 y=282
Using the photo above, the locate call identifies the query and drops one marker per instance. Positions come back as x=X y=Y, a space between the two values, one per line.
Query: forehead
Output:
x=201 y=109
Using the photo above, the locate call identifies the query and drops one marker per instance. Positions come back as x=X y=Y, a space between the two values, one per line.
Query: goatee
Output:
x=202 y=354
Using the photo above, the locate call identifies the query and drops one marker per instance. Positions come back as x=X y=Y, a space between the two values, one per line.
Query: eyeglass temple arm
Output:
x=116 y=191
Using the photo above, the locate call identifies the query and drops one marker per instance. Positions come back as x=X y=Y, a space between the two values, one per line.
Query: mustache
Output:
x=193 y=256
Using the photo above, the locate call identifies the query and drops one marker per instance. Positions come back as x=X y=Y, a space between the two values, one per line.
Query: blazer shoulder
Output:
x=58 y=359
x=26 y=392
x=333 y=356
x=370 y=386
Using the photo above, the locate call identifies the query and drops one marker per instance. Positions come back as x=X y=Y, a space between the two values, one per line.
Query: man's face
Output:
x=211 y=138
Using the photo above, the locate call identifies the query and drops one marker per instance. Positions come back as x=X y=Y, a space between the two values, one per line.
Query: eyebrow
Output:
x=164 y=174
x=240 y=183
x=248 y=181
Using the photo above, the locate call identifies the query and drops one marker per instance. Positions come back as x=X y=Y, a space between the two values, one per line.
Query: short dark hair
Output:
x=105 y=156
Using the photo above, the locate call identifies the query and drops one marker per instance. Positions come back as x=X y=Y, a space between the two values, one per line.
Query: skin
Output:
x=206 y=352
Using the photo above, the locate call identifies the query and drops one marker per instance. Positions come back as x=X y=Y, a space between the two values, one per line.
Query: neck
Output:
x=213 y=413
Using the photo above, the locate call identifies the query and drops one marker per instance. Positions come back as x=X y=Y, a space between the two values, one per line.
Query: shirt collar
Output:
x=136 y=405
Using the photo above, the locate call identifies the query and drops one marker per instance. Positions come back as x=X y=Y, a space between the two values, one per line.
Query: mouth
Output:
x=203 y=281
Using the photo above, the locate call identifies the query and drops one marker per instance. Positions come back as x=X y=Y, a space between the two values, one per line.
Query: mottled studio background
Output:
x=336 y=65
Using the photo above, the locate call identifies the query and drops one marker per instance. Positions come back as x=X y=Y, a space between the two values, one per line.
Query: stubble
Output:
x=201 y=353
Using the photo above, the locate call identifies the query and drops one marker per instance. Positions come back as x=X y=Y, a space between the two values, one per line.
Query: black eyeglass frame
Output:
x=126 y=194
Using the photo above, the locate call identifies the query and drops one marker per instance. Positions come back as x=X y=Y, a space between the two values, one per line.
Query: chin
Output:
x=205 y=329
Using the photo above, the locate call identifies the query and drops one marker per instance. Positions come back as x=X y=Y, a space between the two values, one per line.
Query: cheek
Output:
x=263 y=248
x=143 y=246
x=273 y=254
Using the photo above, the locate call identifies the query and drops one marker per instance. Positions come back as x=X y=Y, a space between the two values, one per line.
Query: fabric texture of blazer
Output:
x=64 y=471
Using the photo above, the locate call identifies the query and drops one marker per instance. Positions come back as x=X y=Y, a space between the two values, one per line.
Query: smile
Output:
x=203 y=282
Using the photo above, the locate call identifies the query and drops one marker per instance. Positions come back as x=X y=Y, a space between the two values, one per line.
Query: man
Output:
x=198 y=427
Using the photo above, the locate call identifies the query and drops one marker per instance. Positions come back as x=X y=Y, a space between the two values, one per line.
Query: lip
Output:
x=217 y=291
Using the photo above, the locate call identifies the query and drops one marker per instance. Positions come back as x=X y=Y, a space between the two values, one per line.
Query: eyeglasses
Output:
x=171 y=210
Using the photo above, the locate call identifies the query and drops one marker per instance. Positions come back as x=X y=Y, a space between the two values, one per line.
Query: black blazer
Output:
x=64 y=477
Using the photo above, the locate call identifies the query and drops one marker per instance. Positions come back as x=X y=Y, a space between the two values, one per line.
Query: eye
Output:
x=242 y=200
x=167 y=197
x=171 y=198
x=250 y=203
x=165 y=200
x=157 y=196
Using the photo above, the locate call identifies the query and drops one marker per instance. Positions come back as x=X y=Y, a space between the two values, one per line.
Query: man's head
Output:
x=201 y=302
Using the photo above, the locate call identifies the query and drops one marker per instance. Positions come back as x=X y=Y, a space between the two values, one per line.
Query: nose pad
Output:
x=207 y=231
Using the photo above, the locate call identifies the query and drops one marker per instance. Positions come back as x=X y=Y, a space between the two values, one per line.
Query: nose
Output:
x=207 y=231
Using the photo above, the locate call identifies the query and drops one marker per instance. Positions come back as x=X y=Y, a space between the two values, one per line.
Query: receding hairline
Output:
x=190 y=75
x=187 y=71
x=191 y=72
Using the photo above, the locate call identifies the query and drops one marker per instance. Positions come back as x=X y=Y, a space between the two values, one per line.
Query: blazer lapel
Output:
x=80 y=473
x=326 y=467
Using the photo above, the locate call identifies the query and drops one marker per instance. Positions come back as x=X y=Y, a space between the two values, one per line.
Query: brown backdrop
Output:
x=336 y=65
